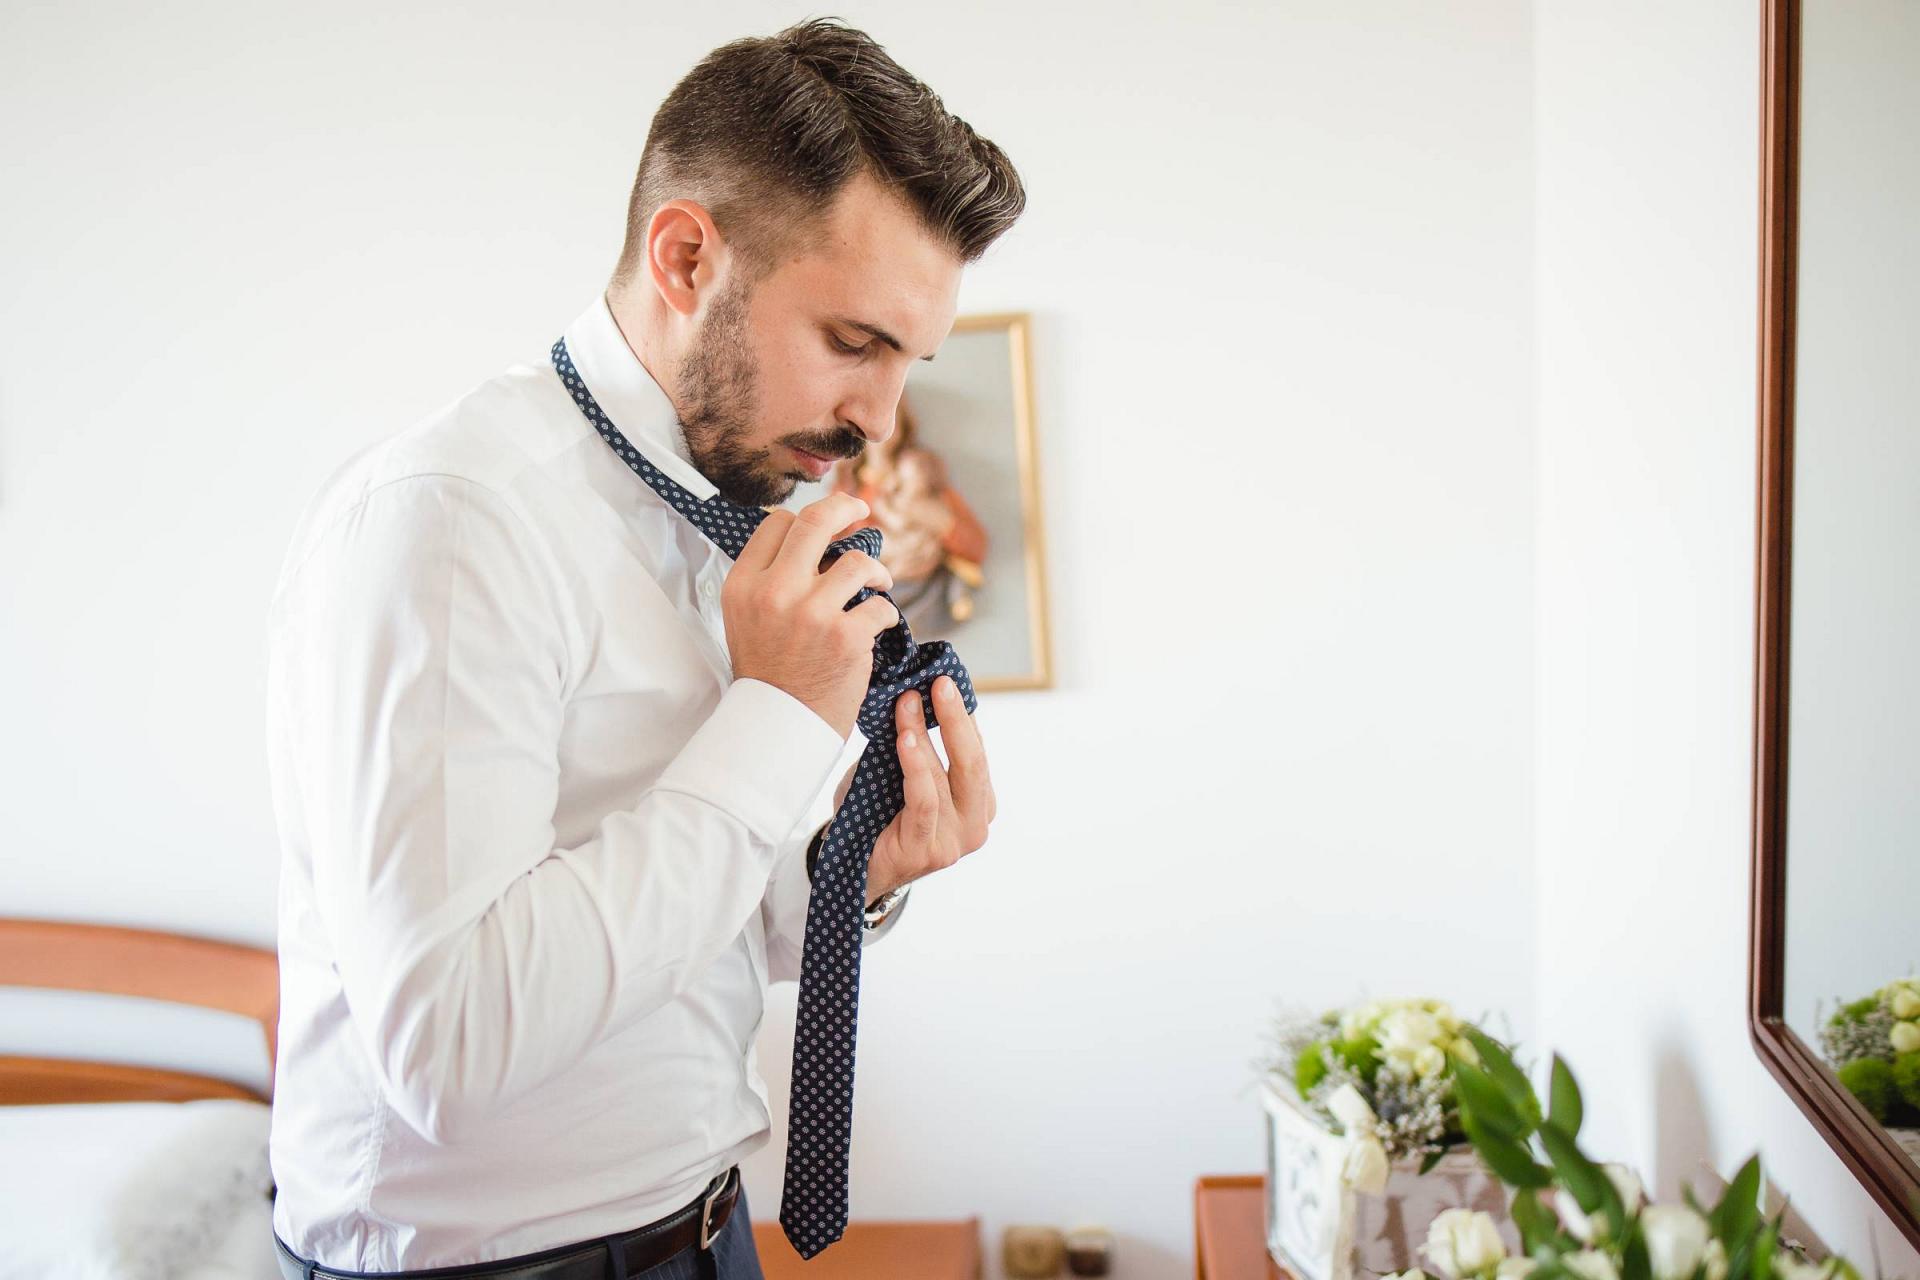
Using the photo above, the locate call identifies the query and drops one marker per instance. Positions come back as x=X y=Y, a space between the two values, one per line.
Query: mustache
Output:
x=849 y=444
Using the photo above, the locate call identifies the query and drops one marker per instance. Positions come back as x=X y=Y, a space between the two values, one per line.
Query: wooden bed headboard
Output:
x=66 y=956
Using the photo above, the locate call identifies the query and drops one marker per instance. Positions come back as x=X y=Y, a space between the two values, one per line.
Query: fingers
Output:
x=966 y=755
x=853 y=570
x=872 y=616
x=921 y=778
x=909 y=719
x=765 y=541
x=807 y=537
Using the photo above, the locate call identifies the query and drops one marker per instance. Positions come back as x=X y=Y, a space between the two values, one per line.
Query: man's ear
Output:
x=686 y=255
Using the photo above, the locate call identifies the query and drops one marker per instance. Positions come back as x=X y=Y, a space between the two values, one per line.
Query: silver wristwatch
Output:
x=880 y=909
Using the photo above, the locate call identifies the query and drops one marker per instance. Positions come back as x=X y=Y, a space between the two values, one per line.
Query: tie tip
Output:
x=809 y=1245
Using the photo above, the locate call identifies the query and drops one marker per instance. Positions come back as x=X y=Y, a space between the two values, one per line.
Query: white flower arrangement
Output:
x=1678 y=1241
x=1379 y=1073
x=1580 y=1220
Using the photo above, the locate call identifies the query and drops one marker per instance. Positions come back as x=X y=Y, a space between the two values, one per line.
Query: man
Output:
x=560 y=779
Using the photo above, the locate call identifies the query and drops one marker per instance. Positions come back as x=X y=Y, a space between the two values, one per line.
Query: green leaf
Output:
x=1738 y=1212
x=1566 y=1110
x=1311 y=1067
x=1741 y=1258
x=1589 y=1183
x=1761 y=1267
x=1433 y=1158
x=1634 y=1263
x=1479 y=1096
x=1496 y=1062
x=1756 y=1252
x=1360 y=1053
x=1537 y=1224
x=1509 y=1160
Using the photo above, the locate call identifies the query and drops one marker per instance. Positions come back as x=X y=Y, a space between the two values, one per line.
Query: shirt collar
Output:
x=629 y=396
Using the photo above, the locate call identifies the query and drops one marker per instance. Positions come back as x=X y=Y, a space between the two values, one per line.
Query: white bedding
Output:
x=244 y=1252
x=126 y=1190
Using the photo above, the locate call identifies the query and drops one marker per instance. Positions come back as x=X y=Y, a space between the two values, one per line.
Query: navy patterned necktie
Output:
x=813 y=1200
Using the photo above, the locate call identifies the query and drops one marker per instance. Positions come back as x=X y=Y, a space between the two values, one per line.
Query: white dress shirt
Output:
x=541 y=852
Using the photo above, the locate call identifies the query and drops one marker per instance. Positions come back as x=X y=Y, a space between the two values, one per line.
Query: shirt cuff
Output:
x=762 y=756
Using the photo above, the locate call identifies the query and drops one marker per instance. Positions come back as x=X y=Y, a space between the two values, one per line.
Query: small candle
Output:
x=1089 y=1251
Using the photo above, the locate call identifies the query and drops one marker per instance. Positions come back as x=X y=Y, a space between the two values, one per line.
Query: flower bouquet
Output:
x=1581 y=1220
x=1364 y=1142
x=1873 y=1045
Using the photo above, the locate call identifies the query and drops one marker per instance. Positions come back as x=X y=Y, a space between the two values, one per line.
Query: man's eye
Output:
x=843 y=348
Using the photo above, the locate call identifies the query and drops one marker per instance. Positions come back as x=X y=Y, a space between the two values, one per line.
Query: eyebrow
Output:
x=874 y=331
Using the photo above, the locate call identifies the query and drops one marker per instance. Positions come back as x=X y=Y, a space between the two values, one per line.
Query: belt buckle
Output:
x=706 y=1209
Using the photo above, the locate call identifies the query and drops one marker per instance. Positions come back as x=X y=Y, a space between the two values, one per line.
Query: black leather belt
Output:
x=692 y=1227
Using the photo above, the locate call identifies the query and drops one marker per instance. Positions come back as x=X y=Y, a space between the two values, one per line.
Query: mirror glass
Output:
x=1852 y=973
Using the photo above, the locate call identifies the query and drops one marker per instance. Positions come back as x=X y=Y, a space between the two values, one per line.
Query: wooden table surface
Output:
x=1230 y=1229
x=1229 y=1242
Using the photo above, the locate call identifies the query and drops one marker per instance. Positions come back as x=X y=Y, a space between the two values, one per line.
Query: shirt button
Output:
x=708 y=590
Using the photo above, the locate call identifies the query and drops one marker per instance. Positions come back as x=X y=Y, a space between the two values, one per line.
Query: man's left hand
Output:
x=948 y=804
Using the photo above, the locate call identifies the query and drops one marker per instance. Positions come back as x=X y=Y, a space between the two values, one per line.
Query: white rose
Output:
x=1905 y=1037
x=1676 y=1240
x=1358 y=1019
x=1716 y=1260
x=1572 y=1216
x=1465 y=1242
x=1515 y=1268
x=1591 y=1264
x=1351 y=1110
x=1906 y=1003
x=1429 y=1062
x=1575 y=1219
x=1627 y=1183
x=1408 y=1030
x=1366 y=1166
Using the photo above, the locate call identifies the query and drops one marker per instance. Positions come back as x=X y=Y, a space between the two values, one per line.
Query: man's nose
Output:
x=873 y=414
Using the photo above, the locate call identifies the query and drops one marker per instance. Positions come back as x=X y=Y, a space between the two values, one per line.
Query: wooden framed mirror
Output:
x=1836 y=853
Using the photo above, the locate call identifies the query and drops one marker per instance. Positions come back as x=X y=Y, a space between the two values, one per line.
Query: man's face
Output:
x=770 y=378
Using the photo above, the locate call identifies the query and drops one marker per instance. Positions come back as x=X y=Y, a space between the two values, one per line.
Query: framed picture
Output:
x=955 y=491
x=1308 y=1212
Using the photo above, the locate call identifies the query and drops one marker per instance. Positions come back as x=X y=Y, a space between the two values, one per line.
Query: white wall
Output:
x=1647 y=127
x=1278 y=258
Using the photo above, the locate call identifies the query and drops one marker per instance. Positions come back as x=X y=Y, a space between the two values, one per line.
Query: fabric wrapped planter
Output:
x=1322 y=1227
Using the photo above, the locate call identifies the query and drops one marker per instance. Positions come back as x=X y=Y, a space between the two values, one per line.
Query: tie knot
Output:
x=898 y=663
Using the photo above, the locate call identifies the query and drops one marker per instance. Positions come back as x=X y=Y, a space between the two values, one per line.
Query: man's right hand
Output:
x=787 y=621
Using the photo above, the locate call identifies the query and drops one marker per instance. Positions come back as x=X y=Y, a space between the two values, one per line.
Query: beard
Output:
x=719 y=381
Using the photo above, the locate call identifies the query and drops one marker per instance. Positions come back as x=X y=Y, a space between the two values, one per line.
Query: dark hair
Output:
x=765 y=131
